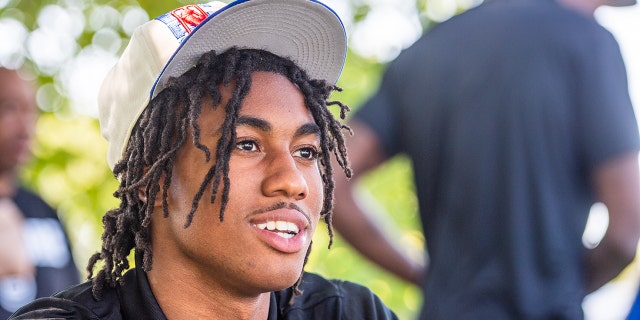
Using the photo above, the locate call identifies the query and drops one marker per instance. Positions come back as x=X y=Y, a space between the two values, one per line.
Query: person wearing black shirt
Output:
x=517 y=118
x=35 y=254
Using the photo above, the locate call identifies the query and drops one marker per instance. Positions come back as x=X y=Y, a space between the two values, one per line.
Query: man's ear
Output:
x=142 y=193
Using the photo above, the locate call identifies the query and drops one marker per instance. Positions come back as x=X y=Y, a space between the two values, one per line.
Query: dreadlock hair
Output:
x=162 y=130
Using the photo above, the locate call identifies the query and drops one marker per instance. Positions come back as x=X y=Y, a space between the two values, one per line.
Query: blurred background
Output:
x=69 y=45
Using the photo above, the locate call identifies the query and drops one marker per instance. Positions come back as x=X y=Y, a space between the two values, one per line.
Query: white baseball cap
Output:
x=306 y=31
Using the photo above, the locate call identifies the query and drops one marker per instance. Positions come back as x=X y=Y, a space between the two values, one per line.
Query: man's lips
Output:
x=285 y=229
x=287 y=214
x=282 y=226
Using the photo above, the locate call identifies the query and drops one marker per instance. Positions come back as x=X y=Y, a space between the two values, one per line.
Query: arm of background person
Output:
x=617 y=184
x=354 y=223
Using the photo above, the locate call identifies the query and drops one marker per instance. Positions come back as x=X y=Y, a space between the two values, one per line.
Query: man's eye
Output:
x=307 y=153
x=247 y=145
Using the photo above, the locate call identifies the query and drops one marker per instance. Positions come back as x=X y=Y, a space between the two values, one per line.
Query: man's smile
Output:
x=282 y=226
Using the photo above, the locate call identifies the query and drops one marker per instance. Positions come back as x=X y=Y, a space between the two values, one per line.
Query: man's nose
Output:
x=284 y=178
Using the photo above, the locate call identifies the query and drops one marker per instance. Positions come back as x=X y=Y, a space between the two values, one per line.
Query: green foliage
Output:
x=70 y=171
x=360 y=77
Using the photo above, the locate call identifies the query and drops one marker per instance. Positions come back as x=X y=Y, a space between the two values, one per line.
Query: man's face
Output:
x=275 y=196
x=17 y=120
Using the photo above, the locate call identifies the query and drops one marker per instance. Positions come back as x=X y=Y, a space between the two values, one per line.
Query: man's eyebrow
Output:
x=260 y=124
x=253 y=122
x=308 y=128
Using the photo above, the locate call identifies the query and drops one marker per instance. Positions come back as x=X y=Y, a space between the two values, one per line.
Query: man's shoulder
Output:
x=521 y=18
x=32 y=205
x=332 y=299
x=76 y=302
x=331 y=287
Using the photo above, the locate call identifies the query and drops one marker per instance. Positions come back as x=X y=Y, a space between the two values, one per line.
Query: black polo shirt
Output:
x=321 y=299
x=48 y=248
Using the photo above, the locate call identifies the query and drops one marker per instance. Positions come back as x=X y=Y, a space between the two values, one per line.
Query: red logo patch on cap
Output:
x=189 y=16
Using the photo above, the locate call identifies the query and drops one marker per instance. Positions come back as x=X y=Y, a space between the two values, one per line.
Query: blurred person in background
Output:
x=35 y=255
x=517 y=117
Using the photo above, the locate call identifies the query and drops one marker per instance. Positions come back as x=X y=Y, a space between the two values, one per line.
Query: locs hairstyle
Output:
x=162 y=130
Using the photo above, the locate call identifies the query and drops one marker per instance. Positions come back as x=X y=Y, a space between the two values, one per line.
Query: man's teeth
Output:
x=283 y=228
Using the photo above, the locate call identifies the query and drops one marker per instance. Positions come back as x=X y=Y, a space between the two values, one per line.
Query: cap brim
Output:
x=306 y=31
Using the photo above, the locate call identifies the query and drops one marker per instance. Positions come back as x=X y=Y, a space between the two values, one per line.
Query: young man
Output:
x=517 y=117
x=221 y=138
x=35 y=256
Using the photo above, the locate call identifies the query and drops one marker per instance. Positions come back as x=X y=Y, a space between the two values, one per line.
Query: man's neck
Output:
x=198 y=300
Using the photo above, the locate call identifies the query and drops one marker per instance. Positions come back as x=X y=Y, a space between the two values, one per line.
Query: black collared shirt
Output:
x=48 y=249
x=321 y=299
